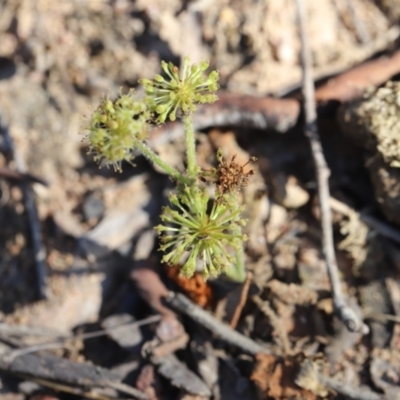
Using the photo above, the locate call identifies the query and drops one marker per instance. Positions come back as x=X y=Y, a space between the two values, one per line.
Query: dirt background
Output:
x=57 y=59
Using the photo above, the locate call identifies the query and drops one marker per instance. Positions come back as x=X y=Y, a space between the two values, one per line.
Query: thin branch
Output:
x=61 y=341
x=39 y=251
x=382 y=227
x=242 y=301
x=124 y=388
x=344 y=312
x=225 y=332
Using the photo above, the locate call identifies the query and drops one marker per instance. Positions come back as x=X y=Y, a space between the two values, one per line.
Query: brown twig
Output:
x=232 y=109
x=242 y=301
x=127 y=389
x=351 y=84
x=225 y=332
x=39 y=251
x=344 y=312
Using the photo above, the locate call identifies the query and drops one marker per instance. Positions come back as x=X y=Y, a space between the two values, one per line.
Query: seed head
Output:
x=230 y=176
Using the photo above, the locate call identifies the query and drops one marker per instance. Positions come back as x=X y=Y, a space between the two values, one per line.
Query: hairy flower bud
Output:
x=114 y=129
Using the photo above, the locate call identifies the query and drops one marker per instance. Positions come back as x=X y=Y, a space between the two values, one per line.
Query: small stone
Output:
x=93 y=207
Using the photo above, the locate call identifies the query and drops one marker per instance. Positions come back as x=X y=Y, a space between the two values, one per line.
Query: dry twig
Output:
x=344 y=312
x=242 y=301
x=39 y=251
x=352 y=84
x=225 y=332
x=62 y=341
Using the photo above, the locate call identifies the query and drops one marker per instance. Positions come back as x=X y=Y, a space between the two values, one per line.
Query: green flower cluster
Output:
x=194 y=226
x=167 y=96
x=194 y=231
x=114 y=129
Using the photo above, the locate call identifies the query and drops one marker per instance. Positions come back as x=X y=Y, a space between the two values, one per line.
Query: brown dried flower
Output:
x=230 y=176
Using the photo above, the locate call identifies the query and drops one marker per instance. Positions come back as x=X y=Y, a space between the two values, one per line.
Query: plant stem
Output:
x=238 y=270
x=190 y=146
x=153 y=157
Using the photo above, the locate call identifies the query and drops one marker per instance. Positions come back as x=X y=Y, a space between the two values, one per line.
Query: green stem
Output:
x=153 y=157
x=238 y=271
x=190 y=146
x=240 y=268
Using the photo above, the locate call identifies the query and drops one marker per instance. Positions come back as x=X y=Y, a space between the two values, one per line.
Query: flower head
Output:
x=207 y=236
x=114 y=129
x=167 y=96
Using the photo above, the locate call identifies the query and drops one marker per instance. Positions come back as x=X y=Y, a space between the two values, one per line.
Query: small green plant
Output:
x=196 y=227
